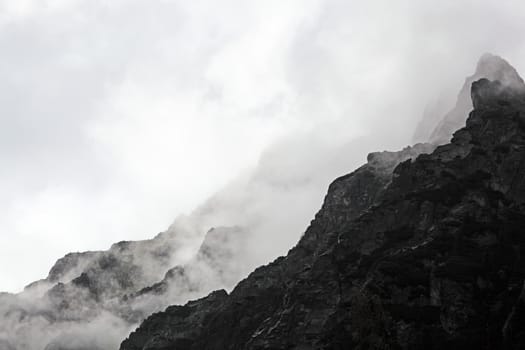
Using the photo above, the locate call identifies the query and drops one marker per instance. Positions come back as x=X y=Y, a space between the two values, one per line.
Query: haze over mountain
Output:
x=110 y=292
x=413 y=250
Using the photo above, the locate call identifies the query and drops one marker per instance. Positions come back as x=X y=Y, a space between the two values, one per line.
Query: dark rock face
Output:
x=429 y=257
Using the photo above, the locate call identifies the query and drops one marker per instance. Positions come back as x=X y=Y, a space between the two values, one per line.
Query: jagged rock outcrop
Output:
x=126 y=266
x=489 y=67
x=430 y=257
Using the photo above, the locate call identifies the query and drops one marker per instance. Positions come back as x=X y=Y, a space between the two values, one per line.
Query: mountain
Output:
x=429 y=257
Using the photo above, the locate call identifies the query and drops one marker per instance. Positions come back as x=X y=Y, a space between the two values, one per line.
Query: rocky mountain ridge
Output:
x=429 y=259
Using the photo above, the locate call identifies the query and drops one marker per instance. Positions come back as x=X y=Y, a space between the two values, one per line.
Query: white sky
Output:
x=116 y=116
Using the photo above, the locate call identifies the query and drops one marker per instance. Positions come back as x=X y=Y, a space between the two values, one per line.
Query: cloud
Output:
x=119 y=115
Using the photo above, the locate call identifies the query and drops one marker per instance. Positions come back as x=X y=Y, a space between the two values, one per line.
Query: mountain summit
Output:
x=445 y=115
x=490 y=67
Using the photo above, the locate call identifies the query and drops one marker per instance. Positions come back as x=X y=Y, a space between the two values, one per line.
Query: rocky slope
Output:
x=430 y=257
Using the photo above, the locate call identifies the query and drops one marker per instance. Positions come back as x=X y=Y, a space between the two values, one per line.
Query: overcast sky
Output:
x=118 y=115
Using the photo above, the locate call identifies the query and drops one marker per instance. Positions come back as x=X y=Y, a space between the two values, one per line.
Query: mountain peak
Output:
x=494 y=67
x=489 y=66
